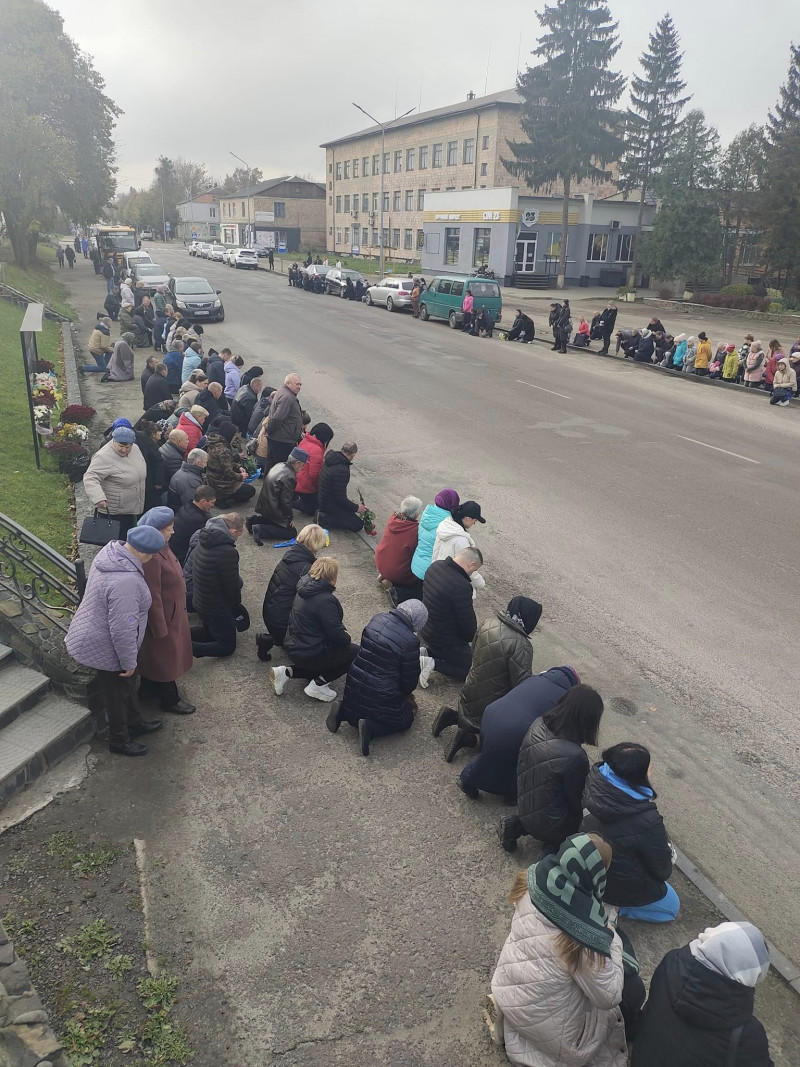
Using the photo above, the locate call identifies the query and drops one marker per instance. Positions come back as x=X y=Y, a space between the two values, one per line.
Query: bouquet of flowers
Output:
x=44 y=366
x=81 y=413
x=44 y=398
x=41 y=414
x=72 y=431
x=368 y=518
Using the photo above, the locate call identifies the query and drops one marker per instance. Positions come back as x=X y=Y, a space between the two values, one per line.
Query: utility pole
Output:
x=384 y=127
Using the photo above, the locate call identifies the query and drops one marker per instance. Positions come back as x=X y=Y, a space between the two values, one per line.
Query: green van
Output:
x=444 y=296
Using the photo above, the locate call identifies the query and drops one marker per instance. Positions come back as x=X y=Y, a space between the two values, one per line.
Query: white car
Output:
x=391 y=293
x=146 y=235
x=228 y=254
x=247 y=258
x=135 y=257
x=201 y=248
x=216 y=252
x=192 y=249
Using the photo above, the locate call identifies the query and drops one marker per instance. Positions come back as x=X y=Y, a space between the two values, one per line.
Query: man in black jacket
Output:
x=157 y=389
x=451 y=625
x=149 y=370
x=184 y=482
x=190 y=518
x=608 y=321
x=172 y=452
x=273 y=516
x=522 y=328
x=213 y=399
x=243 y=403
x=215 y=367
x=217 y=587
x=336 y=510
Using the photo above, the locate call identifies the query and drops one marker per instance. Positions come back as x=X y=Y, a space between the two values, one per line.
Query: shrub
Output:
x=736 y=303
x=737 y=290
x=81 y=413
x=791 y=303
x=65 y=449
x=776 y=307
x=774 y=294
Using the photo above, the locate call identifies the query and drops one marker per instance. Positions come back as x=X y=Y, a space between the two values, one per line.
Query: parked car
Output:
x=151 y=274
x=443 y=297
x=216 y=252
x=196 y=298
x=263 y=252
x=192 y=249
x=393 y=293
x=246 y=258
x=227 y=254
x=146 y=235
x=336 y=280
x=201 y=248
x=130 y=258
x=314 y=269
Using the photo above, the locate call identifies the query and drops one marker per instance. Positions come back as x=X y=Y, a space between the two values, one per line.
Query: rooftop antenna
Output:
x=486 y=81
x=519 y=50
x=396 y=87
x=421 y=78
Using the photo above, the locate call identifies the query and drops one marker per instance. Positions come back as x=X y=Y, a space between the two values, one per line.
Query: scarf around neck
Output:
x=568 y=890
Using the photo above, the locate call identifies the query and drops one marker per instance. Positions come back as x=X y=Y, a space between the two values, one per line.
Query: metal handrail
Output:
x=36 y=574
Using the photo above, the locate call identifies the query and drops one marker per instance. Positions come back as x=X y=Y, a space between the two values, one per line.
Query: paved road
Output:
x=327 y=909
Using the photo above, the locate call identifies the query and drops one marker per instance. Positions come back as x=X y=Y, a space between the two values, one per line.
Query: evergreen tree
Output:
x=692 y=163
x=567 y=99
x=786 y=118
x=739 y=180
x=779 y=203
x=651 y=120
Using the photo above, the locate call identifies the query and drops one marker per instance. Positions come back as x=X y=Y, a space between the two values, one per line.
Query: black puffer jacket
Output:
x=315 y=622
x=690 y=1015
x=384 y=673
x=633 y=827
x=551 y=774
x=333 y=481
x=502 y=657
x=188 y=520
x=242 y=407
x=173 y=460
x=217 y=585
x=215 y=368
x=447 y=594
x=295 y=562
x=274 y=504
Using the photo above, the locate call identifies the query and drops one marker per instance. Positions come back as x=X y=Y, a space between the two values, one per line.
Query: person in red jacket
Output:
x=193 y=422
x=314 y=442
x=396 y=549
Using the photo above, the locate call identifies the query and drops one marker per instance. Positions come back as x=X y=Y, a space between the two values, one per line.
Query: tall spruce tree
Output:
x=739 y=182
x=779 y=203
x=571 y=131
x=786 y=117
x=651 y=119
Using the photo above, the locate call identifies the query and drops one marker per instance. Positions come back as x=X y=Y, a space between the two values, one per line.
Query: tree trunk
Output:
x=19 y=244
x=637 y=238
x=561 y=281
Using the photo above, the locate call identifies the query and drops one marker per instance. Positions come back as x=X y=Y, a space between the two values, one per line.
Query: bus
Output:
x=114 y=241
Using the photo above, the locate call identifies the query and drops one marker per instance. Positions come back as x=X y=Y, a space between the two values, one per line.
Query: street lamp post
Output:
x=247 y=227
x=384 y=127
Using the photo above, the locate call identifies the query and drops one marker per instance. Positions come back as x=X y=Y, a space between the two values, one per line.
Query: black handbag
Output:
x=99 y=529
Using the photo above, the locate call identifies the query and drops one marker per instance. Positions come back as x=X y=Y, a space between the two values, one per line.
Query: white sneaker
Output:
x=320 y=692
x=426 y=665
x=279 y=676
x=784 y=403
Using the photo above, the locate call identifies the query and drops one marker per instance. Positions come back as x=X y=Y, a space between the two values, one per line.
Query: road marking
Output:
x=727 y=453
x=562 y=395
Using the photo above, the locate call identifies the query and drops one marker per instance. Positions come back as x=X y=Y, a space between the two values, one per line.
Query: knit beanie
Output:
x=416 y=613
x=447 y=499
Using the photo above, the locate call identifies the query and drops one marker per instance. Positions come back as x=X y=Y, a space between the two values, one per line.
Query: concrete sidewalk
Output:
x=323 y=908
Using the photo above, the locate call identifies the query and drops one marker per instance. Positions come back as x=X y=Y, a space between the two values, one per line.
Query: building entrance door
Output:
x=525 y=257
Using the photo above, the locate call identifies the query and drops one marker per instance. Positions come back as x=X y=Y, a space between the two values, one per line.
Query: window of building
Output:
x=395 y=238
x=212 y=212
x=243 y=210
x=376 y=164
x=750 y=252
x=437 y=155
x=624 y=247
x=355 y=167
x=375 y=204
x=330 y=201
x=423 y=157
x=338 y=204
x=356 y=235
x=346 y=204
x=450 y=188
x=330 y=185
x=365 y=201
x=385 y=238
x=483 y=170
x=469 y=150
x=436 y=189
x=409 y=199
x=408 y=239
x=396 y=200
x=420 y=199
x=330 y=168
x=483 y=242
x=386 y=201
x=338 y=236
x=347 y=235
x=598 y=247
x=330 y=231
x=466 y=186
x=386 y=158
x=347 y=168
x=485 y=143
x=398 y=160
x=279 y=209
x=554 y=244
x=452 y=153
x=452 y=240
x=374 y=238
x=420 y=238
x=411 y=154
x=338 y=171
x=365 y=166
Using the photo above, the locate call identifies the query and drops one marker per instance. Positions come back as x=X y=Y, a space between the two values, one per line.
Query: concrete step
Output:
x=20 y=689
x=35 y=741
x=5 y=652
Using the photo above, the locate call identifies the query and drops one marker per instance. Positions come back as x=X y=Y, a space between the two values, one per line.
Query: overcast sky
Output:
x=270 y=81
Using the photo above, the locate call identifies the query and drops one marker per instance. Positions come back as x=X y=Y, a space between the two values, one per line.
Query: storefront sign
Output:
x=529 y=218
x=265 y=216
x=448 y=218
x=491 y=216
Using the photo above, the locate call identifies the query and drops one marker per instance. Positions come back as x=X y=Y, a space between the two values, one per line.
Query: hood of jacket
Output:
x=609 y=798
x=704 y=999
x=309 y=587
x=432 y=516
x=115 y=558
x=216 y=532
x=448 y=529
x=336 y=459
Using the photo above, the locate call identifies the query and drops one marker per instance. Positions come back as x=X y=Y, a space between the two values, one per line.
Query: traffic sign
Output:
x=281 y=246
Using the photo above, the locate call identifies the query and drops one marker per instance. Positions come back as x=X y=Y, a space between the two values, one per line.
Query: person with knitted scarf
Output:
x=558 y=986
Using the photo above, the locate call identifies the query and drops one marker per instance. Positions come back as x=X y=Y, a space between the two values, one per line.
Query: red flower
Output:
x=81 y=413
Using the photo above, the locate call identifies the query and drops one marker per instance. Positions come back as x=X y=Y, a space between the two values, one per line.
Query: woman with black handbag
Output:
x=116 y=478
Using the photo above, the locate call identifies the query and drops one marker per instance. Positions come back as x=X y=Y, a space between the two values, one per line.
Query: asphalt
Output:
x=352 y=909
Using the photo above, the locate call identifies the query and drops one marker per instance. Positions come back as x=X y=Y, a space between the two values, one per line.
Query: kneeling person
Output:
x=273 y=516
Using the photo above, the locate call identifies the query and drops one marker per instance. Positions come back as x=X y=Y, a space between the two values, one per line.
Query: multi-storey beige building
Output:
x=287 y=211
x=450 y=148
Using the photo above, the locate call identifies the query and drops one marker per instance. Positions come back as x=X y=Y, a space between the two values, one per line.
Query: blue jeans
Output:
x=110 y=285
x=660 y=911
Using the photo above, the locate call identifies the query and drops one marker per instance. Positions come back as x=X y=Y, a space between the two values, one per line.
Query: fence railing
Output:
x=34 y=573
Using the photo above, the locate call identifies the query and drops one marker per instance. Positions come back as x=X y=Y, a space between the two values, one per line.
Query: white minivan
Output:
x=136 y=257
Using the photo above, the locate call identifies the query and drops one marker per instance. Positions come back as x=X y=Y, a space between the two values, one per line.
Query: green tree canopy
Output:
x=778 y=211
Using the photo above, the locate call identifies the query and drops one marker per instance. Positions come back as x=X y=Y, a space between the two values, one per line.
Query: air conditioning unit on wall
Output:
x=615 y=224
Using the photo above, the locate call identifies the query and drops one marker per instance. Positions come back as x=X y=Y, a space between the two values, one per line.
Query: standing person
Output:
x=216 y=586
x=226 y=478
x=271 y=259
x=70 y=254
x=415 y=294
x=77 y=243
x=116 y=477
x=318 y=645
x=784 y=384
x=619 y=804
x=107 y=271
x=714 y=1024
x=504 y=726
x=467 y=305
x=94 y=256
x=754 y=366
x=552 y=768
x=564 y=328
x=279 y=597
x=189 y=518
x=451 y=625
x=336 y=510
x=702 y=357
x=166 y=651
x=378 y=695
x=452 y=535
x=558 y=984
x=85 y=247
x=108 y=628
x=552 y=322
x=396 y=548
x=314 y=443
x=285 y=427
x=149 y=438
x=502 y=658
x=60 y=257
x=443 y=504
x=273 y=516
x=607 y=323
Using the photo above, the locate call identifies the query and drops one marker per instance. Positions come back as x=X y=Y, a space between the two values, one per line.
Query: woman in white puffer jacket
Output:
x=558 y=984
x=453 y=536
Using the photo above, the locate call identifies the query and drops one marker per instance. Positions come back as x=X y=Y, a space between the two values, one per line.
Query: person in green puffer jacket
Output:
x=502 y=657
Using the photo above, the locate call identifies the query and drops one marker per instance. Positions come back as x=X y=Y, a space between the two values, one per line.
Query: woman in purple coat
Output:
x=108 y=629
